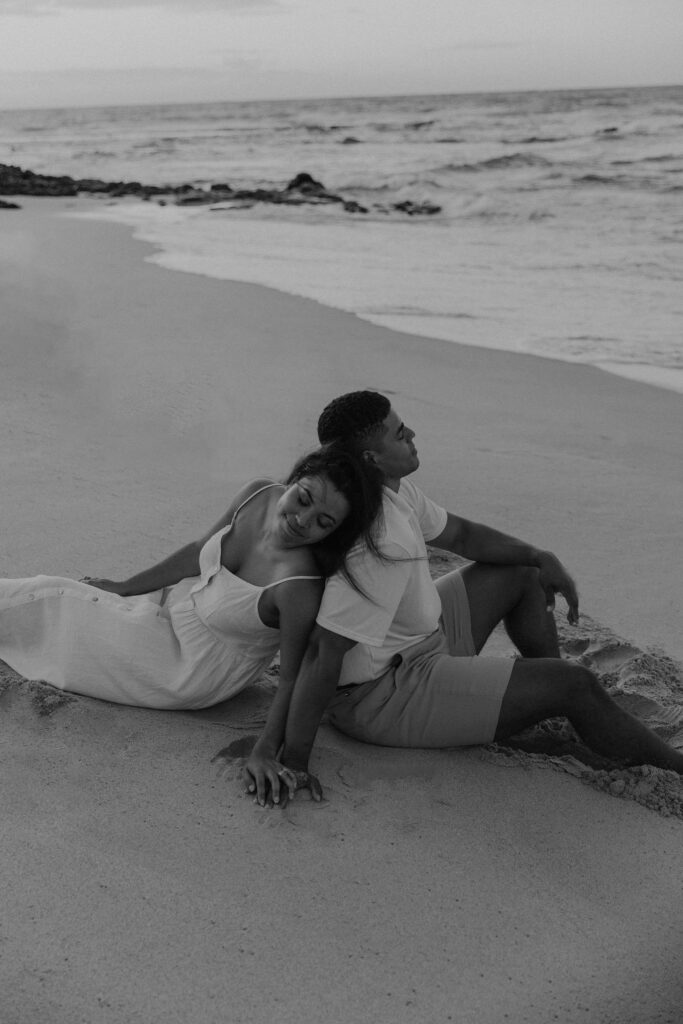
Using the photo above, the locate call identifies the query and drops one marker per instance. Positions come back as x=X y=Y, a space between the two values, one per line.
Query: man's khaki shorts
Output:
x=438 y=693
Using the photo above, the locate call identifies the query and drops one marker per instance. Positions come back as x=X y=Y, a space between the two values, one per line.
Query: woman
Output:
x=204 y=623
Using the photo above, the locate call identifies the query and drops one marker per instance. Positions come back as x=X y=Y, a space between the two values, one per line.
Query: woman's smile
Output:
x=293 y=528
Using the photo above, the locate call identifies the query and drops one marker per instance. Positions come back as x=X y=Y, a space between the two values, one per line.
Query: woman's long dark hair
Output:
x=361 y=484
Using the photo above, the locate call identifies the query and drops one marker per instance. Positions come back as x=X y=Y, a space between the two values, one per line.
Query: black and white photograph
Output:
x=341 y=531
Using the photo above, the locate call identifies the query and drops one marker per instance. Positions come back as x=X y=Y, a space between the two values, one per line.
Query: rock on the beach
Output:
x=307 y=185
x=303 y=188
x=419 y=209
x=17 y=181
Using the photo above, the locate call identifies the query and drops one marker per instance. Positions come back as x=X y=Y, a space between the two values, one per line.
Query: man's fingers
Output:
x=571 y=596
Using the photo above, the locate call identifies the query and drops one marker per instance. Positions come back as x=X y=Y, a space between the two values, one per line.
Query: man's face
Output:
x=394 y=453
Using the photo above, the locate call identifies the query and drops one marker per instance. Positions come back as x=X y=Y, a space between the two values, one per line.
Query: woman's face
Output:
x=310 y=510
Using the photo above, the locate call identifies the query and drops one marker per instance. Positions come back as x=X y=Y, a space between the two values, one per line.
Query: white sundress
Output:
x=190 y=645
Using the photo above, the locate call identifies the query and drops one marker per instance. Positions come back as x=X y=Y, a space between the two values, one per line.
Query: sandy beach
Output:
x=476 y=886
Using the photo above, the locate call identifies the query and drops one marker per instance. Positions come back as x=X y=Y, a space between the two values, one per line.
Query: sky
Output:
x=93 y=52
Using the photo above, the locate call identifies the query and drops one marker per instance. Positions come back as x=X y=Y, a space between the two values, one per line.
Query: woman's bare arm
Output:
x=182 y=564
x=298 y=602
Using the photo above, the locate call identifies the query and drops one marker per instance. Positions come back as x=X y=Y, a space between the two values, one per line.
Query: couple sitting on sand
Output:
x=331 y=568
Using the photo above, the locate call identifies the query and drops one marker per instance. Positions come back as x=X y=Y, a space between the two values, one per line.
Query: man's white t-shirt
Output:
x=398 y=605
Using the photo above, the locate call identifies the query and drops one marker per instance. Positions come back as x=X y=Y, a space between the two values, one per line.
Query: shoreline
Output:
x=413 y=325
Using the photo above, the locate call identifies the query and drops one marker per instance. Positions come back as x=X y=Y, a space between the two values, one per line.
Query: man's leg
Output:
x=512 y=595
x=548 y=688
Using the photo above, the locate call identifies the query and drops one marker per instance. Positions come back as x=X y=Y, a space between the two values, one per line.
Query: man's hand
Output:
x=555 y=579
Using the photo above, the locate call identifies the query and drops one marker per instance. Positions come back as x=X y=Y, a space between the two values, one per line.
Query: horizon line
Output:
x=350 y=96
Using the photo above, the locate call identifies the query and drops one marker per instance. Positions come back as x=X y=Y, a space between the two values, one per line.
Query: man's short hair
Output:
x=353 y=418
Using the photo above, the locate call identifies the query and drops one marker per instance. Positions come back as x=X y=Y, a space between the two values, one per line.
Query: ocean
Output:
x=559 y=233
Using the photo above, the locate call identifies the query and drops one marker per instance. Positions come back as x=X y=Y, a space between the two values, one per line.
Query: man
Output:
x=395 y=658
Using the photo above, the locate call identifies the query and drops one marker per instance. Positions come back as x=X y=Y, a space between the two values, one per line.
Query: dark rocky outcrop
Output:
x=302 y=189
x=9 y=206
x=306 y=185
x=14 y=181
x=416 y=209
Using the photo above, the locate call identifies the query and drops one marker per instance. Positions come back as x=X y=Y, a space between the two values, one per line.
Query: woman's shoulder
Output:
x=244 y=497
x=300 y=562
x=300 y=591
x=260 y=486
x=261 y=483
x=298 y=572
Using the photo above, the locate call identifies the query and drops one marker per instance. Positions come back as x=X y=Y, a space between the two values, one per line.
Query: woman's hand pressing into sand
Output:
x=272 y=783
x=268 y=780
x=555 y=579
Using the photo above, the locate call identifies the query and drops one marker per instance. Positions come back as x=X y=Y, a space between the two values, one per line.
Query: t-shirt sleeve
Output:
x=366 y=616
x=431 y=517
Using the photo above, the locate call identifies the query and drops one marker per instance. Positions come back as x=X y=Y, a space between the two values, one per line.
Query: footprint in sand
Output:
x=607 y=658
x=648 y=684
x=230 y=760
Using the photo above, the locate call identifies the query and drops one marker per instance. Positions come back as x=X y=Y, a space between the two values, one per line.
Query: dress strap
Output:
x=287 y=579
x=221 y=532
x=246 y=502
x=210 y=555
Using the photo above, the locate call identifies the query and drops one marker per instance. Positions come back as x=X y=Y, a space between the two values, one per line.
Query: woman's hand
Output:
x=304 y=780
x=111 y=585
x=274 y=783
x=269 y=780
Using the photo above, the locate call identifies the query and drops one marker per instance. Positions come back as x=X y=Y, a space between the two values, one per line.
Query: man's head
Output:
x=365 y=423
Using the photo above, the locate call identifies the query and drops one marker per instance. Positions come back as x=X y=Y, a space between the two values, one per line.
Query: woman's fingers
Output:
x=256 y=784
x=315 y=788
x=275 y=784
x=274 y=780
x=288 y=778
x=249 y=780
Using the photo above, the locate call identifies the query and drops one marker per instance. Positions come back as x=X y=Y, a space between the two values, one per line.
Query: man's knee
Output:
x=581 y=687
x=520 y=581
x=528 y=577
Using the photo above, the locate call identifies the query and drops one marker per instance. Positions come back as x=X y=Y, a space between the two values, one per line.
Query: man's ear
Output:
x=369 y=456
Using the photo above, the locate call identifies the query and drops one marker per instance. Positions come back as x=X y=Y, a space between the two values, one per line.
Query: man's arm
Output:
x=480 y=543
x=314 y=688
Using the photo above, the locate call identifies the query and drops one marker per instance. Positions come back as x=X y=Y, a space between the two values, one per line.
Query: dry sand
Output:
x=139 y=885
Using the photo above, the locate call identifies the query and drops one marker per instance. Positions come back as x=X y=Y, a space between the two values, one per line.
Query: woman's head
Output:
x=333 y=501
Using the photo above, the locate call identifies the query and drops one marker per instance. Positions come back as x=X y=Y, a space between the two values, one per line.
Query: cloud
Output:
x=25 y=8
